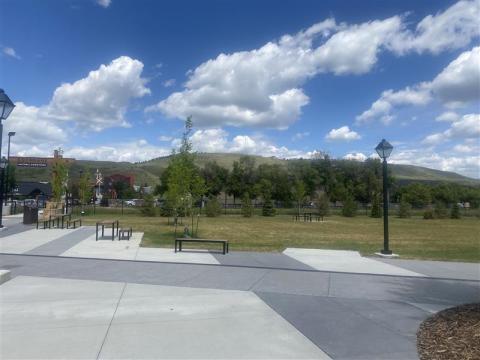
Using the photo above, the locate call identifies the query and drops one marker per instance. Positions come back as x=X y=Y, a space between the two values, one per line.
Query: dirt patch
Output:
x=451 y=334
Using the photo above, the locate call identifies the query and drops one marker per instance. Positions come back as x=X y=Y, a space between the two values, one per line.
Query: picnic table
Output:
x=307 y=217
x=107 y=224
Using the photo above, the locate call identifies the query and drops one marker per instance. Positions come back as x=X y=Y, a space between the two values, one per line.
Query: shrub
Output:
x=323 y=205
x=455 y=212
x=213 y=207
x=247 y=208
x=349 y=207
x=404 y=210
x=376 y=207
x=428 y=214
x=440 y=210
x=268 y=209
x=148 y=208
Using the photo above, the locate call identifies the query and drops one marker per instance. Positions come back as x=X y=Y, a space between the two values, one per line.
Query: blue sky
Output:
x=113 y=80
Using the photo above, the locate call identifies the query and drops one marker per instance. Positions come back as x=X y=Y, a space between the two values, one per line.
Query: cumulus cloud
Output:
x=342 y=134
x=454 y=28
x=263 y=87
x=300 y=135
x=448 y=116
x=100 y=100
x=468 y=127
x=169 y=83
x=357 y=156
x=11 y=52
x=457 y=84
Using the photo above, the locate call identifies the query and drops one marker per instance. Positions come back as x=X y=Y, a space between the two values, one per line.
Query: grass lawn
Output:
x=417 y=238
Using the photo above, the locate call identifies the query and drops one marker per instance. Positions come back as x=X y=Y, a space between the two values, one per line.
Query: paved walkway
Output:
x=241 y=305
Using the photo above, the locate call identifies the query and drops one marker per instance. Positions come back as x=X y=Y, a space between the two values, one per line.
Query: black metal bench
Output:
x=125 y=233
x=74 y=222
x=47 y=223
x=179 y=242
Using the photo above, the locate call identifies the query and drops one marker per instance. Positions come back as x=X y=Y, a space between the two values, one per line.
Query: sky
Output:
x=115 y=79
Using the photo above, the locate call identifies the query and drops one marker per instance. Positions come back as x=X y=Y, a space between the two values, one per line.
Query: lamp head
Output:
x=384 y=149
x=6 y=105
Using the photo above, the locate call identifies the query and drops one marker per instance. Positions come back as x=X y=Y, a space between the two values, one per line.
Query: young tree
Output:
x=148 y=207
x=376 y=207
x=213 y=207
x=404 y=210
x=440 y=210
x=299 y=194
x=323 y=205
x=59 y=177
x=268 y=209
x=84 y=190
x=247 y=208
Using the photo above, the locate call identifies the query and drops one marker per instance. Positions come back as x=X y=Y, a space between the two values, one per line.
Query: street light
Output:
x=384 y=149
x=7 y=182
x=3 y=164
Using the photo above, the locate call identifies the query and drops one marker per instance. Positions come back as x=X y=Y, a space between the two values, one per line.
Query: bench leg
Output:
x=113 y=232
x=96 y=232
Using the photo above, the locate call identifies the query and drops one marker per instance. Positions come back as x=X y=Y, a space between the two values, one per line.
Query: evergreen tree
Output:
x=268 y=209
x=323 y=205
x=213 y=207
x=349 y=207
x=148 y=207
x=247 y=208
x=455 y=212
x=440 y=210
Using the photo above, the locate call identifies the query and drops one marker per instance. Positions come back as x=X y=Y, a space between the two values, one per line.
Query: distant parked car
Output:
x=130 y=202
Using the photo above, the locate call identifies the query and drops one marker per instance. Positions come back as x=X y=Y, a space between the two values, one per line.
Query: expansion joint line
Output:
x=111 y=320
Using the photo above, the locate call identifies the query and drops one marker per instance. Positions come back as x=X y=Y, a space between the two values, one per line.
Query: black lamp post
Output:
x=3 y=164
x=7 y=181
x=384 y=149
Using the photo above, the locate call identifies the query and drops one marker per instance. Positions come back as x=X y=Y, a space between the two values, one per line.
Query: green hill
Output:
x=149 y=171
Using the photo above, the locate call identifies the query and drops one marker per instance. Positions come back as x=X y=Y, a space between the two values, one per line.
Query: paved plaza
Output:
x=74 y=297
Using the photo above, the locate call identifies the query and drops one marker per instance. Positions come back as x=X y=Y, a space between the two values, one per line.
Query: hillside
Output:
x=149 y=171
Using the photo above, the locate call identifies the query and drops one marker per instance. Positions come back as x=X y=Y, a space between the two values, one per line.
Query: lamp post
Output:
x=7 y=182
x=3 y=164
x=6 y=107
x=384 y=149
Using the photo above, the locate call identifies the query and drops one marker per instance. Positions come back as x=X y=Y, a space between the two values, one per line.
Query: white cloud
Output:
x=100 y=100
x=459 y=82
x=456 y=85
x=165 y=138
x=343 y=134
x=104 y=3
x=454 y=28
x=33 y=132
x=262 y=87
x=134 y=151
x=468 y=127
x=467 y=148
x=381 y=108
x=465 y=165
x=11 y=52
x=448 y=116
x=356 y=156
x=300 y=135
x=169 y=83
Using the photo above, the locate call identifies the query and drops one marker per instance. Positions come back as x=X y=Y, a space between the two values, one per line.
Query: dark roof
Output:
x=26 y=188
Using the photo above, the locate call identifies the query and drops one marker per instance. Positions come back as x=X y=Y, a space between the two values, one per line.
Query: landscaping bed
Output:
x=451 y=334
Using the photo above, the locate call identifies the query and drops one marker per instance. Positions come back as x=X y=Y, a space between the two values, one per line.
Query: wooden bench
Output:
x=74 y=222
x=179 y=242
x=125 y=233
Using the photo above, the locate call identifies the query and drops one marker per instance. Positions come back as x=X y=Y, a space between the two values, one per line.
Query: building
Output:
x=39 y=162
x=33 y=190
x=110 y=182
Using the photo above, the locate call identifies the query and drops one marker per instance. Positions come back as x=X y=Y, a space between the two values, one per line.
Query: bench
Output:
x=179 y=242
x=74 y=222
x=107 y=223
x=62 y=218
x=125 y=233
x=47 y=223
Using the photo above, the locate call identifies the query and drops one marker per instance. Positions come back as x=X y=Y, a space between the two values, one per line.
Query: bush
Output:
x=440 y=210
x=213 y=207
x=268 y=209
x=428 y=214
x=323 y=205
x=148 y=208
x=247 y=208
x=455 y=212
x=376 y=207
x=349 y=207
x=404 y=210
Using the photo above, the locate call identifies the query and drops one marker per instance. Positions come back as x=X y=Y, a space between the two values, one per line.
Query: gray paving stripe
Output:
x=62 y=244
x=15 y=228
x=270 y=260
x=346 y=331
x=413 y=290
